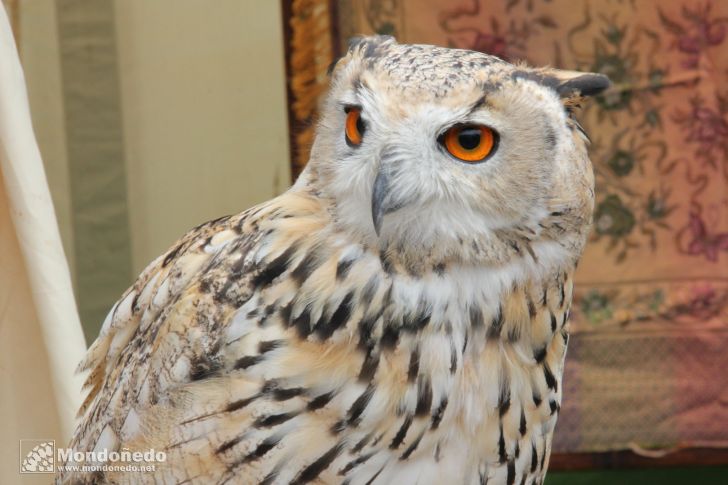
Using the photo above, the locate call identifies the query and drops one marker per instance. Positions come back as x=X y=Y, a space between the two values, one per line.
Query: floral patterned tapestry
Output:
x=648 y=362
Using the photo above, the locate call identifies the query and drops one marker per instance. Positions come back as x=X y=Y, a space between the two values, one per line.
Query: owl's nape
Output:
x=399 y=315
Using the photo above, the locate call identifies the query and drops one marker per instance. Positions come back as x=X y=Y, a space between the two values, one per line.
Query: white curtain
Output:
x=41 y=340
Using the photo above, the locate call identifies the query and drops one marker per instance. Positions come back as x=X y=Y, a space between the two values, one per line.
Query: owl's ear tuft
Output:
x=572 y=83
x=569 y=85
x=370 y=46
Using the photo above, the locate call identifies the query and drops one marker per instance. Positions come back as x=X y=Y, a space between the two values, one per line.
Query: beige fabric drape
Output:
x=40 y=336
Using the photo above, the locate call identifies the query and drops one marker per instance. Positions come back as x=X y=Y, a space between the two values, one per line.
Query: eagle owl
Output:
x=400 y=315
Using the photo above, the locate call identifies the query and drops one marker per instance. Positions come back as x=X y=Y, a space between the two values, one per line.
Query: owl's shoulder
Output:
x=166 y=329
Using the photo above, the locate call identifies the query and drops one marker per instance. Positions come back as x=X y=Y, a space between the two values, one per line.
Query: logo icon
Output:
x=37 y=456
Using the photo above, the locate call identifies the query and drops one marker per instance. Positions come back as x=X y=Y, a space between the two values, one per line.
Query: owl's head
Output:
x=444 y=155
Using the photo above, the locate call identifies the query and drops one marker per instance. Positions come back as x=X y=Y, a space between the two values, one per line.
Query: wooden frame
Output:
x=298 y=125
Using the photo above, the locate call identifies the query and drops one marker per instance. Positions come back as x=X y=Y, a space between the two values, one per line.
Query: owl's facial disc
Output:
x=441 y=151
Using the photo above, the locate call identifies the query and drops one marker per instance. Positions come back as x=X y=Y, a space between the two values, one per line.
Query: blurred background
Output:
x=153 y=116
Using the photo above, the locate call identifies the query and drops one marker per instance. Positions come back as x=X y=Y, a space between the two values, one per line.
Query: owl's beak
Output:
x=383 y=200
x=379 y=196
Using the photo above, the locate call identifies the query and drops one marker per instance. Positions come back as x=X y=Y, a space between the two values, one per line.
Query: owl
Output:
x=398 y=316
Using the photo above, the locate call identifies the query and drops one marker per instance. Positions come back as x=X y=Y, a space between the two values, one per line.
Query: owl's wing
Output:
x=150 y=340
x=174 y=368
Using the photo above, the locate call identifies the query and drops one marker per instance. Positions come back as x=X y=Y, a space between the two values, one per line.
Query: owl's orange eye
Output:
x=354 y=129
x=470 y=143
